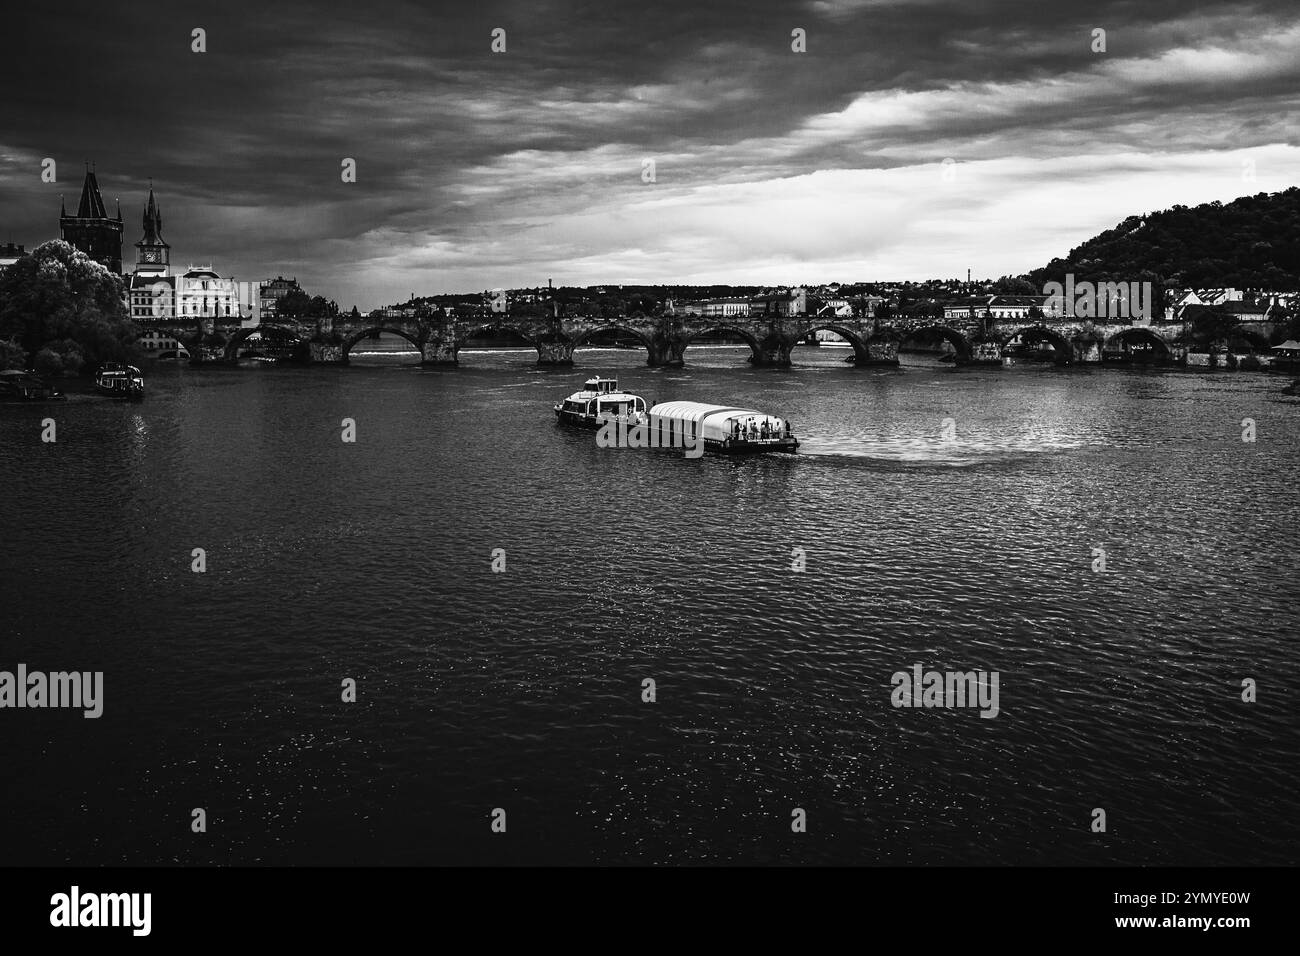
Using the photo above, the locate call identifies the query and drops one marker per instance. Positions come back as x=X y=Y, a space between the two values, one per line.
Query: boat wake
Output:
x=933 y=452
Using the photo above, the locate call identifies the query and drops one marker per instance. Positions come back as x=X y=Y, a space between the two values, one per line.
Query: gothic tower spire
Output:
x=92 y=230
x=153 y=255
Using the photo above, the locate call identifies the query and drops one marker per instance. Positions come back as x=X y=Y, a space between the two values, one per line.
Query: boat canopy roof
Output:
x=712 y=421
x=698 y=411
x=587 y=395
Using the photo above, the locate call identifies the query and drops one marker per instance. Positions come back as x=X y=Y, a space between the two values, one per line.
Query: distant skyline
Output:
x=478 y=170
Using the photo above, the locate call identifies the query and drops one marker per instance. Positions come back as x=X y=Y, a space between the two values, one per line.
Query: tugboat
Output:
x=600 y=401
x=731 y=431
x=120 y=381
x=19 y=386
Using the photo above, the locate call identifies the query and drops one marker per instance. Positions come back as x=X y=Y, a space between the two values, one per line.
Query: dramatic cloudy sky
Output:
x=479 y=170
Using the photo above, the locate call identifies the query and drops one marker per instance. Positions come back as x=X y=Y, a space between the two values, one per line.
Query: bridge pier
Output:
x=875 y=354
x=555 y=351
x=666 y=352
x=210 y=355
x=325 y=353
x=438 y=350
x=774 y=351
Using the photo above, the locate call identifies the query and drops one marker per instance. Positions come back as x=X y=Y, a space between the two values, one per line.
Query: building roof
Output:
x=152 y=223
x=92 y=203
x=1015 y=300
x=144 y=281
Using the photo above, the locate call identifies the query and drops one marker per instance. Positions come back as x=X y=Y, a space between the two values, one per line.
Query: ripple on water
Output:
x=373 y=561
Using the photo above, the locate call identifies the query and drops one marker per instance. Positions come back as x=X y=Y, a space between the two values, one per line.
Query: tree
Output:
x=294 y=304
x=12 y=355
x=61 y=305
x=1213 y=326
x=529 y=310
x=641 y=303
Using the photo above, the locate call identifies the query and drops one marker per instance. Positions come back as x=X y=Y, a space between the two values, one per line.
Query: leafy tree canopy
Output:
x=60 y=305
x=1250 y=243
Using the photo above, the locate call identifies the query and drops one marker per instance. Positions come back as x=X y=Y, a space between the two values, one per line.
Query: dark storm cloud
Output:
x=477 y=169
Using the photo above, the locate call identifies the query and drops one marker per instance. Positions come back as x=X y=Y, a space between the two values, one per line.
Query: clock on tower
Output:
x=153 y=255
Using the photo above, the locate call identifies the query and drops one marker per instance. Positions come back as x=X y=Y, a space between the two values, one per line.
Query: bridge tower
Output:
x=153 y=254
x=92 y=230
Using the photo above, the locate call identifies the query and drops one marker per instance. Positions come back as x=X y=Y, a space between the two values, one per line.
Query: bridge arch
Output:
x=1064 y=348
x=755 y=347
x=352 y=339
x=554 y=344
x=237 y=337
x=959 y=342
x=856 y=339
x=578 y=340
x=1139 y=334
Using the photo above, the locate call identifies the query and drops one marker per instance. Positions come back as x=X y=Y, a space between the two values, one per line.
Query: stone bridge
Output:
x=771 y=338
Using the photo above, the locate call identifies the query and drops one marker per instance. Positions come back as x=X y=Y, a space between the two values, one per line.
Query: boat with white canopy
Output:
x=726 y=429
x=600 y=400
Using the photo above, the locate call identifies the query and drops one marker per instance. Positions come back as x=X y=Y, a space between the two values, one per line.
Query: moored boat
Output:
x=600 y=400
x=120 y=381
x=1285 y=358
x=725 y=429
x=19 y=386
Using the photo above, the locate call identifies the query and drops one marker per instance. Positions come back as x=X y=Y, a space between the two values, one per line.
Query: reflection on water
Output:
x=522 y=689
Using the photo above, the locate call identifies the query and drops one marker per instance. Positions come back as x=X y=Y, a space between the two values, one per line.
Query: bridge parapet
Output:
x=771 y=338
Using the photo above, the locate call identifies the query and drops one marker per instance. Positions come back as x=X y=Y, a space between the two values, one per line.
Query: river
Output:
x=523 y=689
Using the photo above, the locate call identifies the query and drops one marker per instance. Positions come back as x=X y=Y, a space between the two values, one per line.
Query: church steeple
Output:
x=154 y=254
x=152 y=220
x=92 y=230
x=92 y=203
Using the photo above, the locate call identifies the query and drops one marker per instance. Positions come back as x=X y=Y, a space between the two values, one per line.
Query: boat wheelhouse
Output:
x=19 y=386
x=120 y=381
x=732 y=431
x=599 y=401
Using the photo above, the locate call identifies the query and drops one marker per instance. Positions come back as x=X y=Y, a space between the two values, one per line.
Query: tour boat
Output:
x=120 y=381
x=19 y=386
x=725 y=429
x=599 y=401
